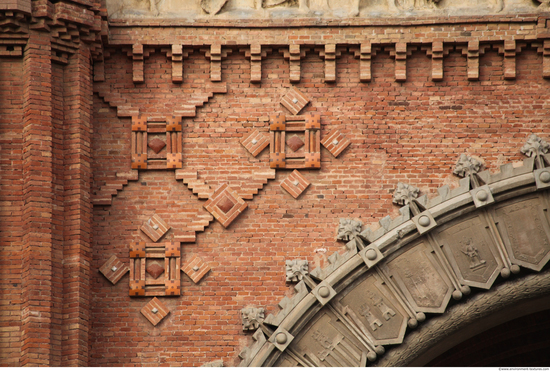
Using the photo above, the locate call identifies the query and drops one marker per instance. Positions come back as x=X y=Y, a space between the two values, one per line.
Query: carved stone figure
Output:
x=473 y=255
x=348 y=229
x=416 y=4
x=467 y=165
x=296 y=270
x=212 y=6
x=404 y=194
x=252 y=318
x=544 y=3
x=387 y=312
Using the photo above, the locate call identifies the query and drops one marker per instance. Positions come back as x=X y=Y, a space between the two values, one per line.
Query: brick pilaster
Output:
x=78 y=208
x=37 y=203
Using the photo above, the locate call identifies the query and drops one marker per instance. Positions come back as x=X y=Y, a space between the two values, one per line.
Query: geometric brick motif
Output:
x=255 y=142
x=225 y=205
x=335 y=142
x=139 y=123
x=312 y=160
x=155 y=270
x=155 y=228
x=113 y=269
x=139 y=161
x=219 y=196
x=155 y=311
x=277 y=160
x=295 y=143
x=196 y=268
x=295 y=184
x=294 y=101
x=174 y=160
x=156 y=145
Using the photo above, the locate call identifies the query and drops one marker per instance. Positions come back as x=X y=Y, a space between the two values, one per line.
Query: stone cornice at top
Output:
x=326 y=22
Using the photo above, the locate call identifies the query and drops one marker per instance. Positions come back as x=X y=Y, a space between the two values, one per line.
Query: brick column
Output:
x=37 y=210
x=78 y=208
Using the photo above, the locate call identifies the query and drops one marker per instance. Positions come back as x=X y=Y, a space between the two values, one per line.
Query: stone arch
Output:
x=452 y=247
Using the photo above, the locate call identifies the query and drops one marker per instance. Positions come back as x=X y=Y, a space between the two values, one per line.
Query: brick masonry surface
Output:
x=63 y=137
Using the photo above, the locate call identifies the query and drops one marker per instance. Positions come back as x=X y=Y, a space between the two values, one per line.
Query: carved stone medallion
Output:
x=523 y=225
x=468 y=245
x=327 y=343
x=421 y=278
x=375 y=310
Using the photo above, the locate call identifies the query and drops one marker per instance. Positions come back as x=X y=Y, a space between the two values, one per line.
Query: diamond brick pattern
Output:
x=155 y=311
x=255 y=142
x=155 y=228
x=295 y=143
x=113 y=269
x=225 y=218
x=155 y=270
x=335 y=142
x=295 y=184
x=156 y=145
x=225 y=205
x=294 y=101
x=196 y=268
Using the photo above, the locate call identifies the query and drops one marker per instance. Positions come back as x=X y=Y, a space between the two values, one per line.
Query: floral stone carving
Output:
x=467 y=165
x=348 y=229
x=404 y=194
x=296 y=270
x=252 y=318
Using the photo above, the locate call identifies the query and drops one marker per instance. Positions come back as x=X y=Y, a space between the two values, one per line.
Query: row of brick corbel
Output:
x=364 y=52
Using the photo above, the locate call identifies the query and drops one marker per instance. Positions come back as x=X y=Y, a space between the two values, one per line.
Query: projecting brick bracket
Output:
x=294 y=54
x=473 y=51
x=400 y=51
x=329 y=53
x=509 y=51
x=437 y=51
x=364 y=53
x=256 y=53
x=177 y=54
x=215 y=54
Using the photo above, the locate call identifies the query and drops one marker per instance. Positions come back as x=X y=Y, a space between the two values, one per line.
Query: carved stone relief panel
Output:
x=327 y=342
x=471 y=250
x=420 y=277
x=375 y=310
x=523 y=225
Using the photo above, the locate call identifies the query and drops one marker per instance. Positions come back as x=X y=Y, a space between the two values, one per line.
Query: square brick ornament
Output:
x=113 y=269
x=196 y=268
x=255 y=142
x=155 y=311
x=335 y=142
x=225 y=205
x=155 y=228
x=294 y=101
x=295 y=184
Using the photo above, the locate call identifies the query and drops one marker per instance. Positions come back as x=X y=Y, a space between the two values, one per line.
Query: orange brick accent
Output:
x=295 y=184
x=196 y=268
x=113 y=269
x=155 y=311
x=294 y=101
x=335 y=142
x=255 y=142
x=225 y=218
x=155 y=228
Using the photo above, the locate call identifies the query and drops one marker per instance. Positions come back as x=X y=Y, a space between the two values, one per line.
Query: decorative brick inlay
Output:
x=141 y=255
x=139 y=161
x=335 y=142
x=196 y=268
x=156 y=145
x=113 y=269
x=295 y=143
x=139 y=123
x=155 y=228
x=225 y=218
x=155 y=311
x=310 y=157
x=295 y=184
x=255 y=142
x=155 y=270
x=225 y=205
x=294 y=100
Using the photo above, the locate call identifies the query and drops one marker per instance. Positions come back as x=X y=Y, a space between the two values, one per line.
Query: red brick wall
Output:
x=11 y=204
x=411 y=132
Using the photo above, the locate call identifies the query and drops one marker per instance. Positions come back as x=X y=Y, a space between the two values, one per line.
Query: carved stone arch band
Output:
x=452 y=247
